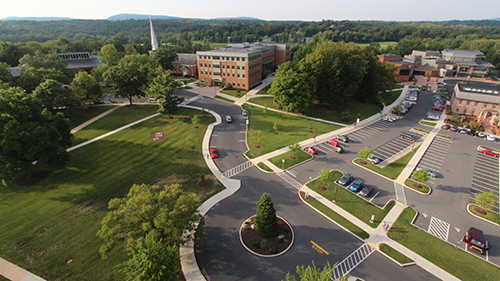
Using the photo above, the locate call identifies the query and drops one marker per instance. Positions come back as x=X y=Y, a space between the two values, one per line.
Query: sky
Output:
x=307 y=10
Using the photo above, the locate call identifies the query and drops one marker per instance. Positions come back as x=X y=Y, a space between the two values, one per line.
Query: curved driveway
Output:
x=220 y=254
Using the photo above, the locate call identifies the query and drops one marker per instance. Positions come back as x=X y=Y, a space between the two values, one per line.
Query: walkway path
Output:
x=85 y=124
x=15 y=273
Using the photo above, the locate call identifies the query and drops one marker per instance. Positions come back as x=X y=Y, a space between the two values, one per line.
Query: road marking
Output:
x=242 y=140
x=238 y=169
x=292 y=174
x=215 y=135
x=457 y=229
x=290 y=180
x=439 y=228
x=425 y=215
x=374 y=196
x=318 y=248
x=354 y=259
x=400 y=193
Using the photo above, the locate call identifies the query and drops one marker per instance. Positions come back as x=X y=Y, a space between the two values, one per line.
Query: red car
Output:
x=489 y=152
x=333 y=142
x=213 y=153
x=438 y=107
x=311 y=150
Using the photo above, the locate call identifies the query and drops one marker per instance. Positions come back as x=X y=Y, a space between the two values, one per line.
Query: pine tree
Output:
x=266 y=221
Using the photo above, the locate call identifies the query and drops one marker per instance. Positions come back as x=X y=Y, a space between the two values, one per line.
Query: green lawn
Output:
x=421 y=130
x=224 y=99
x=291 y=159
x=264 y=167
x=391 y=96
x=291 y=129
x=264 y=90
x=425 y=189
x=45 y=225
x=392 y=170
x=264 y=101
x=338 y=218
x=352 y=203
x=114 y=120
x=432 y=124
x=383 y=44
x=234 y=93
x=445 y=255
x=81 y=114
x=397 y=256
x=491 y=216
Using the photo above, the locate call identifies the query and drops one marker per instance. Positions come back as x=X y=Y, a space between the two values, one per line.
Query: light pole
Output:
x=282 y=164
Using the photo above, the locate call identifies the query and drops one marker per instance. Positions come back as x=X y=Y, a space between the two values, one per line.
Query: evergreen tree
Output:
x=266 y=220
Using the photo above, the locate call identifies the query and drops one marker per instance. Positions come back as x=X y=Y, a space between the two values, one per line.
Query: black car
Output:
x=342 y=138
x=453 y=128
x=367 y=190
x=345 y=180
x=446 y=126
x=473 y=132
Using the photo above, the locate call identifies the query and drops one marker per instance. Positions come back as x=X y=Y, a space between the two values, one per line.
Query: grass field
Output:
x=454 y=260
x=425 y=189
x=397 y=256
x=391 y=96
x=383 y=44
x=300 y=156
x=291 y=129
x=114 y=120
x=79 y=115
x=491 y=216
x=46 y=225
x=234 y=93
x=264 y=90
x=345 y=199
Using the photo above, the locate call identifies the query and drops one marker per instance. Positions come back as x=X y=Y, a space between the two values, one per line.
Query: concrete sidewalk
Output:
x=15 y=273
x=85 y=124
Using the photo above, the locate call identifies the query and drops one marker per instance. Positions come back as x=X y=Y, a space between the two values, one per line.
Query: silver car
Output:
x=228 y=119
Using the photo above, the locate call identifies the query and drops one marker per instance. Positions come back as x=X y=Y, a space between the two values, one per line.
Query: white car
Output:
x=433 y=116
x=490 y=137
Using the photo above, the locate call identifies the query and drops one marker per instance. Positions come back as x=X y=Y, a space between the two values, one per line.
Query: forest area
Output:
x=18 y=38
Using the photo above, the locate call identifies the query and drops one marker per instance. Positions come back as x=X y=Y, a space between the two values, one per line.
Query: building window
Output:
x=243 y=59
x=238 y=76
x=465 y=110
x=468 y=102
x=201 y=64
x=202 y=80
x=243 y=76
x=238 y=84
x=233 y=74
x=232 y=66
x=473 y=111
x=232 y=58
x=238 y=67
x=243 y=67
x=458 y=108
x=201 y=71
x=243 y=84
x=234 y=84
x=205 y=65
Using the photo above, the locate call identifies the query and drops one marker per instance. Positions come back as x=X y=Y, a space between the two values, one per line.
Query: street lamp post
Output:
x=282 y=164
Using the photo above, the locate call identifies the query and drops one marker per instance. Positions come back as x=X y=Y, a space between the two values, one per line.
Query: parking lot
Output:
x=369 y=130
x=485 y=176
x=434 y=158
x=393 y=147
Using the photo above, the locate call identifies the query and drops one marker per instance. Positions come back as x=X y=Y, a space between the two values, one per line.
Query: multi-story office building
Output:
x=241 y=65
x=477 y=99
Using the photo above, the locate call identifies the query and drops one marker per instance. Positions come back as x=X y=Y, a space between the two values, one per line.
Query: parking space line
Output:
x=429 y=165
x=374 y=196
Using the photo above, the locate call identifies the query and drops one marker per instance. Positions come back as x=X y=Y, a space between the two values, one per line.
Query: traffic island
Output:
x=266 y=246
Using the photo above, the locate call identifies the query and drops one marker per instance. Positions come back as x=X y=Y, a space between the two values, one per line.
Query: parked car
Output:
x=473 y=132
x=464 y=131
x=453 y=128
x=228 y=119
x=339 y=149
x=342 y=138
x=441 y=84
x=431 y=172
x=97 y=101
x=213 y=153
x=474 y=238
x=440 y=102
x=432 y=116
x=489 y=152
x=373 y=159
x=481 y=134
x=438 y=107
x=310 y=150
x=333 y=142
x=244 y=112
x=407 y=104
x=388 y=118
x=152 y=100
x=367 y=190
x=356 y=185
x=491 y=137
x=345 y=180
x=412 y=98
x=446 y=126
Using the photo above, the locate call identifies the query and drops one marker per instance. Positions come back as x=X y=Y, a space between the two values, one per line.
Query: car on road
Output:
x=228 y=119
x=213 y=153
x=342 y=138
x=310 y=150
x=244 y=112
x=333 y=142
x=453 y=128
x=432 y=174
x=356 y=185
x=373 y=159
x=490 y=137
x=474 y=238
x=345 y=180
x=489 y=152
x=446 y=126
x=367 y=190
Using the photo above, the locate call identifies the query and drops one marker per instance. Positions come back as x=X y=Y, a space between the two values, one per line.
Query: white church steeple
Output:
x=154 y=43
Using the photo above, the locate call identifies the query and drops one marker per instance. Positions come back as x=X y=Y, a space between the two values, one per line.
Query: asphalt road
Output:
x=220 y=254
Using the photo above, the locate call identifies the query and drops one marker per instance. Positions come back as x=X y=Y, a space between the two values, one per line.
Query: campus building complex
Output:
x=477 y=99
x=241 y=65
x=448 y=63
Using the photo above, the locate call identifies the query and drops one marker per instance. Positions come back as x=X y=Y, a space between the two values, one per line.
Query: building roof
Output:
x=80 y=60
x=464 y=52
x=186 y=59
x=241 y=48
x=426 y=67
x=15 y=71
x=481 y=92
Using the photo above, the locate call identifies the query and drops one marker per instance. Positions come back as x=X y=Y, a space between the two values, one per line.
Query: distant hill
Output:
x=237 y=18
x=496 y=19
x=140 y=17
x=36 y=18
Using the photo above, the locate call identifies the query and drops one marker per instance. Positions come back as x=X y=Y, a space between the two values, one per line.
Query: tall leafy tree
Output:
x=29 y=134
x=110 y=55
x=379 y=77
x=52 y=95
x=165 y=57
x=162 y=88
x=85 y=86
x=167 y=211
x=291 y=89
x=5 y=74
x=312 y=273
x=266 y=221
x=485 y=200
x=130 y=76
x=151 y=260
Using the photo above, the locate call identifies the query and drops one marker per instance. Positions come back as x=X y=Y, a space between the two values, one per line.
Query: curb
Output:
x=370 y=170
x=414 y=190
x=395 y=261
x=268 y=256
x=467 y=208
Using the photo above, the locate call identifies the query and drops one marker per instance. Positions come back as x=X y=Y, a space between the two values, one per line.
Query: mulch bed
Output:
x=417 y=186
x=192 y=147
x=257 y=146
x=480 y=211
x=202 y=184
x=158 y=136
x=322 y=188
x=248 y=234
x=196 y=127
x=293 y=157
x=35 y=178
x=275 y=133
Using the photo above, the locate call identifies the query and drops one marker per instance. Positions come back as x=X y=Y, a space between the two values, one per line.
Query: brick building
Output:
x=185 y=65
x=477 y=99
x=241 y=65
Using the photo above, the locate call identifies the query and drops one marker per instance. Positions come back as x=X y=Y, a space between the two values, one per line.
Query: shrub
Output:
x=265 y=244
x=273 y=250
x=254 y=242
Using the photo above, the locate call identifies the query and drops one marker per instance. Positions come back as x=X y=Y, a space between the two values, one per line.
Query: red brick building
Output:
x=241 y=65
x=185 y=65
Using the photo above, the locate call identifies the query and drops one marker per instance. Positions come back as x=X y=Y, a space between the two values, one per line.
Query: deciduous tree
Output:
x=364 y=153
x=52 y=95
x=291 y=89
x=312 y=273
x=421 y=175
x=165 y=56
x=485 y=200
x=110 y=55
x=162 y=88
x=85 y=86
